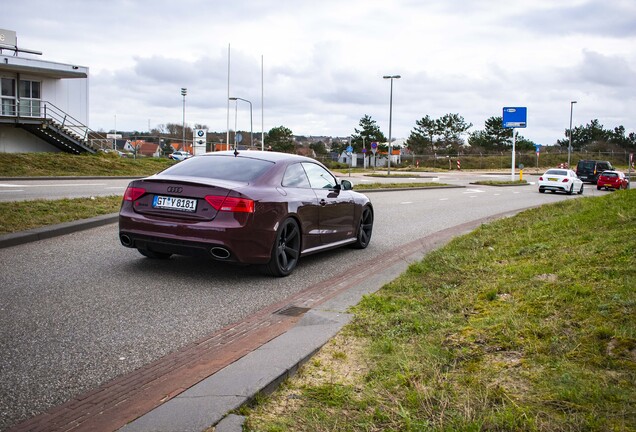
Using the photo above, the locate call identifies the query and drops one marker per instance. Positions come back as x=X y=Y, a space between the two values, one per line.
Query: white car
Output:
x=180 y=155
x=562 y=180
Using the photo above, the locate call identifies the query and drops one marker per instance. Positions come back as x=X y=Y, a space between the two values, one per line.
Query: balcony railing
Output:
x=43 y=110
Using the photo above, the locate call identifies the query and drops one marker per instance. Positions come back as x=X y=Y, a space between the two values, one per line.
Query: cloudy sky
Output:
x=322 y=62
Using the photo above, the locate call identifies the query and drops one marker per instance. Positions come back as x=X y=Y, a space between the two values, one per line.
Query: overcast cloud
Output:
x=324 y=61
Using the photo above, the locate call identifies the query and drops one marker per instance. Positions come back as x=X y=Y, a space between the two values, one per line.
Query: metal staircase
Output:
x=57 y=128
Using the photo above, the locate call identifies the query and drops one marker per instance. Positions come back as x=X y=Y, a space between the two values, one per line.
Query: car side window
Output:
x=319 y=178
x=295 y=176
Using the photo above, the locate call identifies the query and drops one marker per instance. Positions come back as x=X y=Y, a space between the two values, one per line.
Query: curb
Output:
x=56 y=230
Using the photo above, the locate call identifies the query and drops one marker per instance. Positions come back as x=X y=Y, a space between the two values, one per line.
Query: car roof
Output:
x=263 y=155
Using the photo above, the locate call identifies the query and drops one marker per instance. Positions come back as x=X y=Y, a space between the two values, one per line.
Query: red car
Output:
x=250 y=207
x=612 y=180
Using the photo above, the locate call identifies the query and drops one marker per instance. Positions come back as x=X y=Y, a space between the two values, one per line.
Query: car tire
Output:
x=598 y=187
x=286 y=249
x=580 y=192
x=154 y=255
x=365 y=229
x=571 y=191
x=541 y=190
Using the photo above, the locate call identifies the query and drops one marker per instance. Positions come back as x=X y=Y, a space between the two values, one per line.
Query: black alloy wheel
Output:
x=286 y=250
x=571 y=190
x=364 y=229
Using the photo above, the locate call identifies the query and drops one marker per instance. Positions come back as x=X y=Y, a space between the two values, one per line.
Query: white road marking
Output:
x=53 y=185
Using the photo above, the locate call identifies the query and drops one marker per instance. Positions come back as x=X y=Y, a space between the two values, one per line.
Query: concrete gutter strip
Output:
x=262 y=370
x=50 y=231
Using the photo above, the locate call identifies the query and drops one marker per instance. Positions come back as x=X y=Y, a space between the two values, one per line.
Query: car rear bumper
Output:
x=553 y=188
x=239 y=244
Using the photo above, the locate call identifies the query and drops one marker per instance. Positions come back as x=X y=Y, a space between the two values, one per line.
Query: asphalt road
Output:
x=79 y=310
x=21 y=190
x=15 y=189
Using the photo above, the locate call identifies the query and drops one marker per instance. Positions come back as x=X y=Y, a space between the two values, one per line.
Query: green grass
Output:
x=394 y=175
x=23 y=215
x=366 y=186
x=64 y=164
x=526 y=324
x=501 y=182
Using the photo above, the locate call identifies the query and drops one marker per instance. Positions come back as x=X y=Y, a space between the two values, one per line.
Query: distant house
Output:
x=147 y=149
x=43 y=105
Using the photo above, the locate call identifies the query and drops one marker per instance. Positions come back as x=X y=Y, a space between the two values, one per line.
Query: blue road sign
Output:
x=515 y=117
x=349 y=149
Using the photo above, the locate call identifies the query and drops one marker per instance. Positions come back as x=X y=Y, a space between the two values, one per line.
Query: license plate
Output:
x=174 y=203
x=552 y=179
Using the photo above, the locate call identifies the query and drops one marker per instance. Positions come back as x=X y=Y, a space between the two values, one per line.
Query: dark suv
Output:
x=589 y=170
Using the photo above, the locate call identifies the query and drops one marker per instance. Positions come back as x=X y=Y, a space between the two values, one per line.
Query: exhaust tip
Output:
x=125 y=240
x=220 y=253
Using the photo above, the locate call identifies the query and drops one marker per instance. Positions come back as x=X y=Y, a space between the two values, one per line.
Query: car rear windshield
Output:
x=221 y=167
x=586 y=165
x=609 y=174
x=557 y=172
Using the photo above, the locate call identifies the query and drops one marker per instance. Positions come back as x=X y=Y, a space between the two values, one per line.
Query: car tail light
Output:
x=231 y=204
x=132 y=193
x=541 y=178
x=565 y=180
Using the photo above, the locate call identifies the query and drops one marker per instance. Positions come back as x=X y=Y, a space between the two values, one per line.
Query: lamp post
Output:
x=184 y=92
x=570 y=145
x=251 y=122
x=390 y=77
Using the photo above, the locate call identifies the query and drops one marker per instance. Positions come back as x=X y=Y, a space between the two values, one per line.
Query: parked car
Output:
x=117 y=152
x=562 y=180
x=180 y=155
x=612 y=180
x=253 y=208
x=589 y=170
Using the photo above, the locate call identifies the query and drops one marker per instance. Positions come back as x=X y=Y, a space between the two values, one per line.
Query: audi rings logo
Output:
x=175 y=189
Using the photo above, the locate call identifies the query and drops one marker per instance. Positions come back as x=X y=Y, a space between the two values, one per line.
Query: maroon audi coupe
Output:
x=250 y=207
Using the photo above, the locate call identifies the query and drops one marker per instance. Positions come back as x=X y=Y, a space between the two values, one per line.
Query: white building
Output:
x=43 y=104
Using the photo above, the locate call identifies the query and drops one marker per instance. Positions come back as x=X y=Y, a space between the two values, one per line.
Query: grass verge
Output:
x=24 y=215
x=525 y=324
x=366 y=186
x=64 y=164
x=501 y=182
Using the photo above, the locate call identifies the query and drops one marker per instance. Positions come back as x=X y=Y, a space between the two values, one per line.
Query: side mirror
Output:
x=346 y=185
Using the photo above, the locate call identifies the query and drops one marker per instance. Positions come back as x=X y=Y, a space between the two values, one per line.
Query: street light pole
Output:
x=570 y=145
x=251 y=119
x=184 y=91
x=390 y=77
